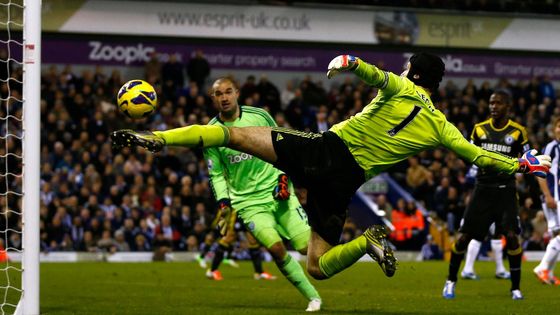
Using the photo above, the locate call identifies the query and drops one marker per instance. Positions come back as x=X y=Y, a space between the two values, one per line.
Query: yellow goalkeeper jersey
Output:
x=402 y=121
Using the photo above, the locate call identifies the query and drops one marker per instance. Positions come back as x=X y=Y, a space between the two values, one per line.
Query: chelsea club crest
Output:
x=508 y=139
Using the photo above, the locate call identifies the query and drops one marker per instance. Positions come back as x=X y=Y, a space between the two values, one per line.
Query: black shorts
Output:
x=325 y=167
x=491 y=204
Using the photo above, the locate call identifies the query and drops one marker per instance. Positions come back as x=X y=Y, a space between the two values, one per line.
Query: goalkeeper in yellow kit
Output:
x=399 y=122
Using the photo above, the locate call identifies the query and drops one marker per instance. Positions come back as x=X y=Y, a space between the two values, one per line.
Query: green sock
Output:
x=342 y=256
x=294 y=273
x=196 y=136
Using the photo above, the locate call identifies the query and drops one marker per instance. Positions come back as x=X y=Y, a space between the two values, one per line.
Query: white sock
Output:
x=498 y=255
x=472 y=252
x=550 y=255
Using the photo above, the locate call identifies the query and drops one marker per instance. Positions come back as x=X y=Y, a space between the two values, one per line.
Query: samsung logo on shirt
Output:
x=496 y=147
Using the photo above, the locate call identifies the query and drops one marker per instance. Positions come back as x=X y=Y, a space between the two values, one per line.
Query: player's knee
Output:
x=512 y=240
x=462 y=242
x=278 y=251
x=235 y=136
x=315 y=272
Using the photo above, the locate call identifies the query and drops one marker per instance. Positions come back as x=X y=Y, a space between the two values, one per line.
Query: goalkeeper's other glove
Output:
x=342 y=63
x=224 y=212
x=537 y=165
x=282 y=190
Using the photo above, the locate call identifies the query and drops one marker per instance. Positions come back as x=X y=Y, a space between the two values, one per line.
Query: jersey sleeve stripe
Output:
x=260 y=112
x=213 y=121
x=385 y=80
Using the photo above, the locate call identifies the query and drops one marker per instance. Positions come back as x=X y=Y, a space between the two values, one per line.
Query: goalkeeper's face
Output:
x=224 y=95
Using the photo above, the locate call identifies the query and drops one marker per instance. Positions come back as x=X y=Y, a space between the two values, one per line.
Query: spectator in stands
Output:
x=269 y=95
x=296 y=111
x=248 y=89
x=198 y=69
x=192 y=244
x=384 y=205
x=152 y=69
x=409 y=225
x=281 y=121
x=430 y=250
x=172 y=77
x=454 y=208
x=526 y=214
x=166 y=233
x=106 y=243
x=416 y=175
x=539 y=224
x=546 y=90
x=398 y=219
x=440 y=198
x=77 y=233
x=120 y=244
x=321 y=124
x=287 y=95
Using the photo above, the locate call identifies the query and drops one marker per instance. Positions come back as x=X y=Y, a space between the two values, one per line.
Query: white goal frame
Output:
x=29 y=302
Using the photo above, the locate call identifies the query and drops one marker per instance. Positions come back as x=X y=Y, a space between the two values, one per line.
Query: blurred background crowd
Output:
x=96 y=199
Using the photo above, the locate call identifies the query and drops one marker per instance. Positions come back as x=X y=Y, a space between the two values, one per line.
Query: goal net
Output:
x=20 y=25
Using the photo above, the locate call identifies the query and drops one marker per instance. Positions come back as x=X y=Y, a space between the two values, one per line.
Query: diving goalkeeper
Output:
x=399 y=122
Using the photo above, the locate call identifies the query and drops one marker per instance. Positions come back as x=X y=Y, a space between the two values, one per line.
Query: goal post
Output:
x=31 y=56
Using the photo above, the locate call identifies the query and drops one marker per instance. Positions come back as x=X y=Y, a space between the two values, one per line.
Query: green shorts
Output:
x=272 y=220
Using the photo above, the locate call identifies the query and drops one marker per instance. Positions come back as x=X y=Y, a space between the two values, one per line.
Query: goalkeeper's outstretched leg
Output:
x=253 y=140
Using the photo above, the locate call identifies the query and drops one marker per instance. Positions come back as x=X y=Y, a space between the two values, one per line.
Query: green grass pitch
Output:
x=181 y=288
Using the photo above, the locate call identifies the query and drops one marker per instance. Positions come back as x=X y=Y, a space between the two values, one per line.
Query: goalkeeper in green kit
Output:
x=399 y=122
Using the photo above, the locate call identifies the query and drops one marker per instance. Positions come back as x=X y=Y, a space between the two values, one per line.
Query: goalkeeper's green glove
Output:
x=530 y=163
x=282 y=190
x=342 y=63
x=224 y=213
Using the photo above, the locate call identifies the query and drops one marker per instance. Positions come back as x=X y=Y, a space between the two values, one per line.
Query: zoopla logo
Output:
x=126 y=54
x=238 y=158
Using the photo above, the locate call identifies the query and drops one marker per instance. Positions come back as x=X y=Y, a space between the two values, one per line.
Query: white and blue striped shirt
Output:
x=553 y=149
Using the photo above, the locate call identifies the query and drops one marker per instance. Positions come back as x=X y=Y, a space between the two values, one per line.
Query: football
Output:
x=137 y=99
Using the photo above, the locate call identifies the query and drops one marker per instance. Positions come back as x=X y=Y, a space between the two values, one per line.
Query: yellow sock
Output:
x=342 y=256
x=196 y=136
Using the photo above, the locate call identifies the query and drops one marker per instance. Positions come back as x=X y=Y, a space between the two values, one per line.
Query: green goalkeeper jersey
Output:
x=402 y=121
x=238 y=176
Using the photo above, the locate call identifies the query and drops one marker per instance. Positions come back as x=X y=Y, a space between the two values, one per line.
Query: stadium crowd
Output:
x=97 y=199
